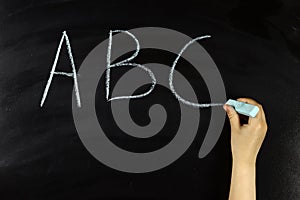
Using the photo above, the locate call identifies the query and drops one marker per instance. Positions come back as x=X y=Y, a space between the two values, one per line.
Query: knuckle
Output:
x=265 y=127
x=231 y=115
x=262 y=126
x=259 y=126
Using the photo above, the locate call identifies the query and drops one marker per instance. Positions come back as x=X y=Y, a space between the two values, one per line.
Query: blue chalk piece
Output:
x=243 y=108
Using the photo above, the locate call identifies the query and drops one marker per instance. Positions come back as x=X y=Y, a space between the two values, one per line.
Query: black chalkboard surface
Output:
x=255 y=45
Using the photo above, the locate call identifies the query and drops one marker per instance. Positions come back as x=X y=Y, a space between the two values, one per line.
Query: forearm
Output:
x=242 y=181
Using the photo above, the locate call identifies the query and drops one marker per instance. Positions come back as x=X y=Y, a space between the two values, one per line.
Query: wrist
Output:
x=244 y=162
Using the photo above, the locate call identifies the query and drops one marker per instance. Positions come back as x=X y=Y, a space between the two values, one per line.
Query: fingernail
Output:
x=225 y=107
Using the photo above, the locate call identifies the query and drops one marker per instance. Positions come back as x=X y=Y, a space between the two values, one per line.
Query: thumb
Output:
x=233 y=117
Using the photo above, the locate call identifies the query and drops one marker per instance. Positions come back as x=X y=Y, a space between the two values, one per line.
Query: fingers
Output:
x=258 y=122
x=233 y=117
x=261 y=113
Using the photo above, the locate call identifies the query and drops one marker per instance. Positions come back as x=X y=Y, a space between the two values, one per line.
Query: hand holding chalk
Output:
x=246 y=139
x=243 y=108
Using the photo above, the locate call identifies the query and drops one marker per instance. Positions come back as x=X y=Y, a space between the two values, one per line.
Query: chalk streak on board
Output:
x=73 y=74
x=125 y=63
x=171 y=78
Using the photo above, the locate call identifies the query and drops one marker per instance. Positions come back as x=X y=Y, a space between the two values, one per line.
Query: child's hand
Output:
x=246 y=139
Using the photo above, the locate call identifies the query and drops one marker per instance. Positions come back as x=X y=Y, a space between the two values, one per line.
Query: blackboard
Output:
x=254 y=44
